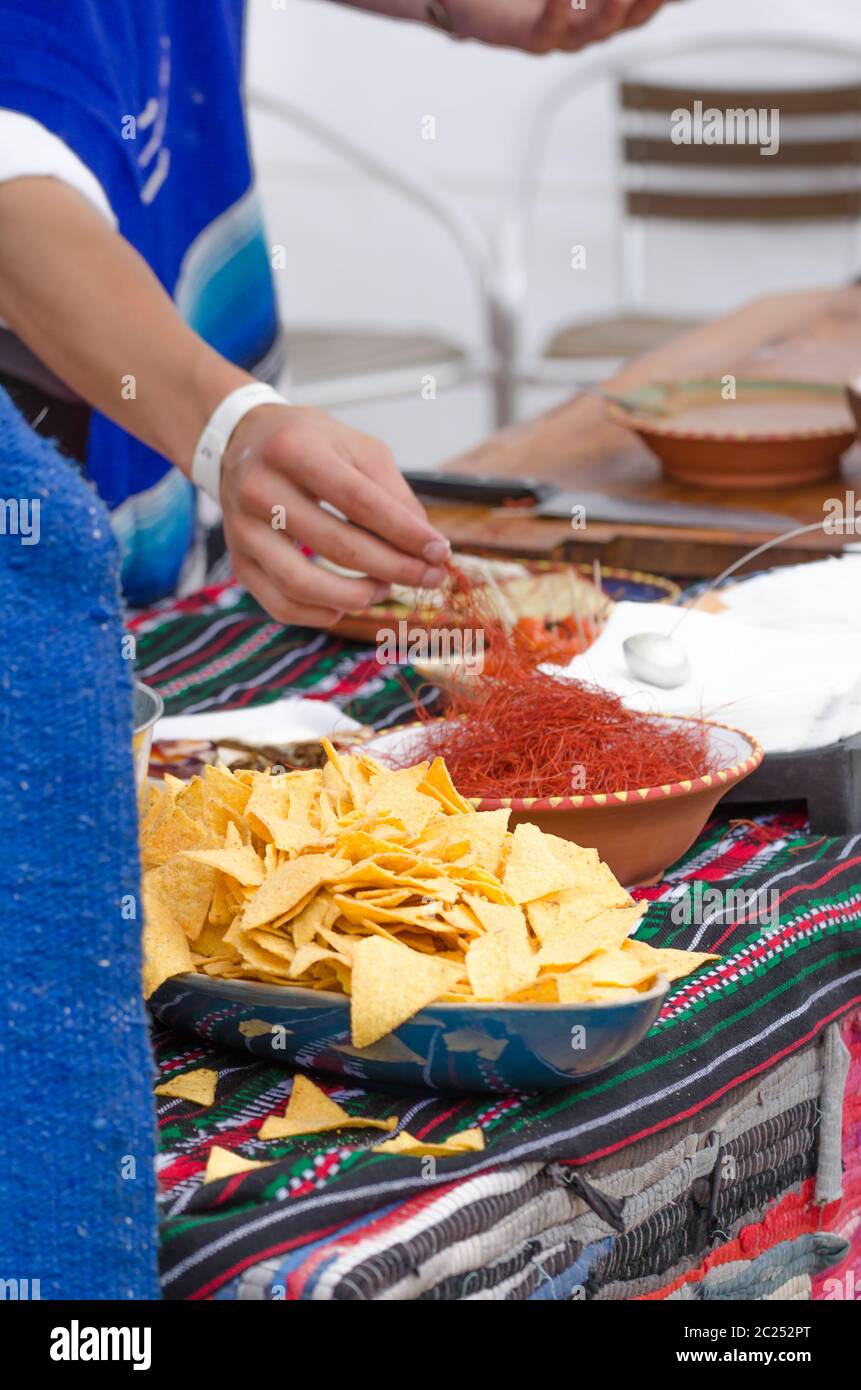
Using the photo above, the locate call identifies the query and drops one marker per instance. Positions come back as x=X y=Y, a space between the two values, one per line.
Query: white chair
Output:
x=814 y=177
x=340 y=366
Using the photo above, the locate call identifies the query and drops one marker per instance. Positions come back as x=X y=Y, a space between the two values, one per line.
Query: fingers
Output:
x=554 y=29
x=295 y=577
x=275 y=476
x=281 y=607
x=378 y=464
x=265 y=493
x=323 y=472
x=561 y=28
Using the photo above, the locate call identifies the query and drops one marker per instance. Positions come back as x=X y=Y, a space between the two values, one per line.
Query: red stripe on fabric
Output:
x=793 y=1216
x=367 y=669
x=439 y=1119
x=194 y=603
x=233 y=1182
x=288 y=678
x=201 y=655
x=737 y=856
x=300 y=1277
x=838 y=868
x=259 y=1255
x=716 y=1095
x=724 y=970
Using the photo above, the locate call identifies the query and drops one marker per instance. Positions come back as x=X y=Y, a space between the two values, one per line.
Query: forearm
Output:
x=416 y=10
x=89 y=307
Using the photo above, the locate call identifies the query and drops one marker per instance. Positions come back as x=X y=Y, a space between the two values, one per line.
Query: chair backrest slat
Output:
x=796 y=154
x=732 y=131
x=724 y=207
x=792 y=101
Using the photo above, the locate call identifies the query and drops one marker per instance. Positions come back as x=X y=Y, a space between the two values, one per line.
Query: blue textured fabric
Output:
x=77 y=1142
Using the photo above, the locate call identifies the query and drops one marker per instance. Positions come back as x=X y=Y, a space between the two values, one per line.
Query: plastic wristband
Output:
x=206 y=464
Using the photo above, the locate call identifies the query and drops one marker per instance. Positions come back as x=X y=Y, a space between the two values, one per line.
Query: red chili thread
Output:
x=516 y=731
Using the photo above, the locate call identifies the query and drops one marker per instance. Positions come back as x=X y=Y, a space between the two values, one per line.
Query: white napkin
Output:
x=824 y=596
x=284 y=721
x=791 y=690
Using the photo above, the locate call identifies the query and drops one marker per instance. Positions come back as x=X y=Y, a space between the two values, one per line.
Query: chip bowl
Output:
x=445 y=1047
x=640 y=832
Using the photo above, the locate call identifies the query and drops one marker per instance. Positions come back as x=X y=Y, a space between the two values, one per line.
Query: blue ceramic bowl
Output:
x=446 y=1047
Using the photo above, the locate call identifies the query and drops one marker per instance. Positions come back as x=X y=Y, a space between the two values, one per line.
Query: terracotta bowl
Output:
x=638 y=833
x=773 y=434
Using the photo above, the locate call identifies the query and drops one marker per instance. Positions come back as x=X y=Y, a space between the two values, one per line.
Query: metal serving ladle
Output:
x=659 y=658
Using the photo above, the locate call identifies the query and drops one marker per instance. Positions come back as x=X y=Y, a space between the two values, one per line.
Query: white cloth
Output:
x=290 y=720
x=824 y=596
x=790 y=689
x=29 y=150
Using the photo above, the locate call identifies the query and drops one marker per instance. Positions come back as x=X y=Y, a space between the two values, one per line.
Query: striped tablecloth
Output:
x=705 y=1165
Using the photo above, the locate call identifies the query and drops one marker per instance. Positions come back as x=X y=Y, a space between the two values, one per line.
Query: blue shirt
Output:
x=148 y=94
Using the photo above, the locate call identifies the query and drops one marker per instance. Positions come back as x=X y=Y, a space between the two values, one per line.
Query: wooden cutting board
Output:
x=813 y=336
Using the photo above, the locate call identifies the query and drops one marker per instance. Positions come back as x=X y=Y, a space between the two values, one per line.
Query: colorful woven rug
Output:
x=764 y=1005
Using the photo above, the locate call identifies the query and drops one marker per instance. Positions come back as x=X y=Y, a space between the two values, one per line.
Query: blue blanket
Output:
x=77 y=1185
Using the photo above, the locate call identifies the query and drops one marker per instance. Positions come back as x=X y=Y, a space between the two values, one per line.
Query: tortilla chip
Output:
x=664 y=961
x=500 y=962
x=570 y=941
x=391 y=983
x=185 y=889
x=197 y=1086
x=291 y=882
x=241 y=862
x=166 y=951
x=310 y=1111
x=467 y=1141
x=223 y=1163
x=534 y=871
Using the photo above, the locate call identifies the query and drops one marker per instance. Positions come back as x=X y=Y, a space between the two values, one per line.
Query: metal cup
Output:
x=148 y=707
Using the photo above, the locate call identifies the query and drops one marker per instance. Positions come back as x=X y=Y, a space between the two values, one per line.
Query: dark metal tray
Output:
x=828 y=779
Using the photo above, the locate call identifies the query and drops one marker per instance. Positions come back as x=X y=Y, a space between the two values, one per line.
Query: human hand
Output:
x=543 y=26
x=280 y=463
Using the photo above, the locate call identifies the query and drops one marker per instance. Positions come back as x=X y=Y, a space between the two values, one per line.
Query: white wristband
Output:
x=206 y=464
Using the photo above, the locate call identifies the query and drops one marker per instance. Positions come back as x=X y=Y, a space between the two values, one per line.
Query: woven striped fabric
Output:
x=843 y=1281
x=762 y=1011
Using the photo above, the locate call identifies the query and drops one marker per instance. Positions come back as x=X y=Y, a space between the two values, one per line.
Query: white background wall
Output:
x=356 y=254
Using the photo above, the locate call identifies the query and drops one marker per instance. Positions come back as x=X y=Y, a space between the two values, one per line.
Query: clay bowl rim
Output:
x=662 y=427
x=723 y=777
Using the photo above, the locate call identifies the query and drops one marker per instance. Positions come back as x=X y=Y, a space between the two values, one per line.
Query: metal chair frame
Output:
x=467 y=236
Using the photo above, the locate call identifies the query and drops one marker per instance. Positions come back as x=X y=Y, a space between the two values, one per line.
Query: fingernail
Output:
x=433 y=578
x=437 y=552
x=381 y=593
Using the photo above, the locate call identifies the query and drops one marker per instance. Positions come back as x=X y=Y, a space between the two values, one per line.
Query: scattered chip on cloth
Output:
x=223 y=1163
x=467 y=1141
x=311 y=1111
x=197 y=1086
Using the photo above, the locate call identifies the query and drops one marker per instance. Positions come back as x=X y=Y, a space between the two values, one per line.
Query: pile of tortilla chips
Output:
x=387 y=886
